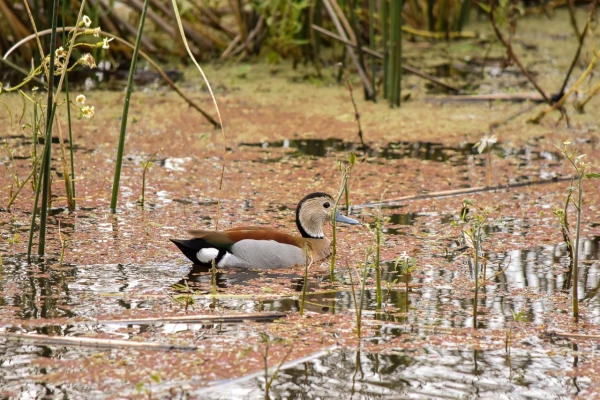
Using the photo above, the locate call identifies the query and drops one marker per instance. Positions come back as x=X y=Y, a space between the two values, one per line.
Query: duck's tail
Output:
x=199 y=251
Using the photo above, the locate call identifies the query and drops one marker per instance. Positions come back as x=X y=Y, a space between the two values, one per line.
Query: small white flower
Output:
x=105 y=42
x=80 y=100
x=486 y=142
x=86 y=21
x=567 y=142
x=96 y=32
x=60 y=52
x=87 y=112
x=88 y=60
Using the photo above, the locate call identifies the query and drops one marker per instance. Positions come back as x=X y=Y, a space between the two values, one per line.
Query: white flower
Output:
x=86 y=21
x=486 y=142
x=87 y=112
x=80 y=100
x=105 y=42
x=567 y=142
x=60 y=52
x=96 y=32
x=88 y=60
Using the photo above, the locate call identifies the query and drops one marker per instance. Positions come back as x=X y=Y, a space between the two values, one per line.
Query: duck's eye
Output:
x=326 y=204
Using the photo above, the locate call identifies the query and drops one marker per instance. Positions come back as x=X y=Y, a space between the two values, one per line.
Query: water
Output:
x=427 y=151
x=433 y=373
x=396 y=361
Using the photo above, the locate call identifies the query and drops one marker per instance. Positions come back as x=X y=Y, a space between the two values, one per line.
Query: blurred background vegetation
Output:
x=365 y=35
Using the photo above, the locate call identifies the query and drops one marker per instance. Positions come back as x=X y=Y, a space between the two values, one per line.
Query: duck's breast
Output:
x=268 y=253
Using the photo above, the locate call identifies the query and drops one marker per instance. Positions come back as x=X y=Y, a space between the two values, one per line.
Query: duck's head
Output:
x=313 y=211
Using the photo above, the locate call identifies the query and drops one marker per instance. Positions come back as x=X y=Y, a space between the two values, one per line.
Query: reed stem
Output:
x=384 y=13
x=576 y=253
x=306 y=264
x=72 y=180
x=476 y=239
x=132 y=68
x=377 y=265
x=51 y=105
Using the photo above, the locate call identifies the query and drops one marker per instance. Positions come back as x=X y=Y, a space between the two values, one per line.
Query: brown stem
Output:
x=512 y=54
x=363 y=76
x=376 y=54
x=457 y=192
x=356 y=113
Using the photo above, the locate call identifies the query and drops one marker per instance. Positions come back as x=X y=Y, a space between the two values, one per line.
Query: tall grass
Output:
x=119 y=161
x=51 y=110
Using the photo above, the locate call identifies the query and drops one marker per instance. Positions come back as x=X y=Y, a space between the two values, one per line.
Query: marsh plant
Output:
x=307 y=263
x=266 y=342
x=55 y=63
x=472 y=230
x=378 y=239
x=185 y=297
x=345 y=170
x=364 y=270
x=581 y=173
x=146 y=166
x=485 y=145
x=407 y=266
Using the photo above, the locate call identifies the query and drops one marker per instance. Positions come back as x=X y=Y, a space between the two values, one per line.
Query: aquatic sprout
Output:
x=63 y=245
x=580 y=168
x=186 y=297
x=263 y=348
x=377 y=262
x=146 y=165
x=486 y=143
x=409 y=264
x=363 y=268
x=472 y=232
x=307 y=263
x=345 y=170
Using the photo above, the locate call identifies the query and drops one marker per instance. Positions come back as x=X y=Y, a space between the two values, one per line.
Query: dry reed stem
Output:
x=378 y=55
x=187 y=47
x=456 y=192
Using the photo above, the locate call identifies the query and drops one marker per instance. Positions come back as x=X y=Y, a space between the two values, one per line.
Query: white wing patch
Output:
x=207 y=255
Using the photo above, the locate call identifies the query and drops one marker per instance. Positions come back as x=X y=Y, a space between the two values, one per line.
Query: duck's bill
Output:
x=342 y=218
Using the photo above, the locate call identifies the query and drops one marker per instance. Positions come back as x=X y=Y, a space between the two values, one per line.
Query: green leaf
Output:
x=352 y=158
x=484 y=7
x=300 y=42
x=592 y=175
x=155 y=377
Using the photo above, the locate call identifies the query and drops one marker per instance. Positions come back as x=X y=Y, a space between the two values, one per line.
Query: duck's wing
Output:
x=234 y=235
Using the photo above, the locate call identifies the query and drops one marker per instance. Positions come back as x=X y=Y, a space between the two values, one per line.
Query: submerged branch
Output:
x=456 y=192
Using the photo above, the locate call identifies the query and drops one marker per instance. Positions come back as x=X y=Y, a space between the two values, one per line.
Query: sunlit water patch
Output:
x=435 y=373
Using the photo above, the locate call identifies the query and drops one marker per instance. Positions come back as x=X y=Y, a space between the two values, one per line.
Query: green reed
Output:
x=121 y=148
x=305 y=285
x=345 y=170
x=146 y=165
x=363 y=269
x=51 y=109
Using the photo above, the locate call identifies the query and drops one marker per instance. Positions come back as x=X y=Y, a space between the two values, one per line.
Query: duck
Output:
x=266 y=248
